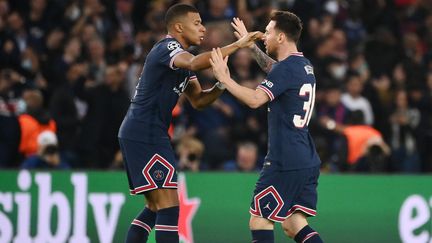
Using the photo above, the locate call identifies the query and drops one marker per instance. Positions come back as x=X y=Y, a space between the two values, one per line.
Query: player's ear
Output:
x=280 y=37
x=178 y=27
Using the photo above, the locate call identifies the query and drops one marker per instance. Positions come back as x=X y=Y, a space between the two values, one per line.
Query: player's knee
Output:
x=288 y=228
x=151 y=206
x=293 y=224
x=257 y=223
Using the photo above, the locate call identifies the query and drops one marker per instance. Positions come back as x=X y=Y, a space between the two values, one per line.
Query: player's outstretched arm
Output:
x=263 y=60
x=199 y=98
x=252 y=98
x=195 y=63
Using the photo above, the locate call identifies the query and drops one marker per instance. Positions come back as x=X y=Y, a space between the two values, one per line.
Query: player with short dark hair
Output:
x=143 y=137
x=286 y=190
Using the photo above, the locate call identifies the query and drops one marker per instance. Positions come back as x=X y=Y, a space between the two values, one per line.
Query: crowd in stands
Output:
x=68 y=69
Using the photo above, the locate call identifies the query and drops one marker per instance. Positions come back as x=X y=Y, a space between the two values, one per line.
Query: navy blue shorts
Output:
x=148 y=166
x=278 y=194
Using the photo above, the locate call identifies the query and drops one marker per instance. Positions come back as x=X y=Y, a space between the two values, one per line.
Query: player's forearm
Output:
x=202 y=61
x=207 y=97
x=244 y=94
x=263 y=60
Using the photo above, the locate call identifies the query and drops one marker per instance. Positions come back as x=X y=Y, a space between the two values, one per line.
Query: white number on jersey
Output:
x=306 y=89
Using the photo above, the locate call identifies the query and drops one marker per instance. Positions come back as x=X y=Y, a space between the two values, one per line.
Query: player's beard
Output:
x=271 y=54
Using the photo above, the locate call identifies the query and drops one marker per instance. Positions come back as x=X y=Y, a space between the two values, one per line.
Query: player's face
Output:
x=270 y=39
x=193 y=29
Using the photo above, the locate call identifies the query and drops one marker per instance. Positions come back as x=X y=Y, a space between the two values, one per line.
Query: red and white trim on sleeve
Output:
x=308 y=236
x=171 y=64
x=161 y=227
x=306 y=210
x=194 y=77
x=299 y=54
x=268 y=92
x=142 y=225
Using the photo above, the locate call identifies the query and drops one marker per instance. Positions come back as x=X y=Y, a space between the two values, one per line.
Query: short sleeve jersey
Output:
x=290 y=85
x=157 y=92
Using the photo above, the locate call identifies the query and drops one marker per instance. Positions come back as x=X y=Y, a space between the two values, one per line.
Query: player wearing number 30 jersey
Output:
x=290 y=86
x=286 y=190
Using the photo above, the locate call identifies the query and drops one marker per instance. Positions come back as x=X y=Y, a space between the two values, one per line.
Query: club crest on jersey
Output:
x=267 y=83
x=309 y=69
x=172 y=45
x=158 y=175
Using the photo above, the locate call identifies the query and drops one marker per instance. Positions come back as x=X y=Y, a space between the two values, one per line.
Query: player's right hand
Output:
x=249 y=39
x=240 y=29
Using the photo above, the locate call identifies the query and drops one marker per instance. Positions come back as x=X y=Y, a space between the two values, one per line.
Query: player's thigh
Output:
x=259 y=223
x=162 y=198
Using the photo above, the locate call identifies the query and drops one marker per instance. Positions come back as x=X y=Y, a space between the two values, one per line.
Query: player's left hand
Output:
x=219 y=65
x=249 y=39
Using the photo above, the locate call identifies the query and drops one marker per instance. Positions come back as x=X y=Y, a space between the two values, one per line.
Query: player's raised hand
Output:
x=249 y=39
x=219 y=65
x=239 y=27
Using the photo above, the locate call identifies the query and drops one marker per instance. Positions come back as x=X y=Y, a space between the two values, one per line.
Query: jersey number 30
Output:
x=306 y=89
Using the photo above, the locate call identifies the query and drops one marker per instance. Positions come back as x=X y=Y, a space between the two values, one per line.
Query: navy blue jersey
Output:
x=157 y=92
x=291 y=87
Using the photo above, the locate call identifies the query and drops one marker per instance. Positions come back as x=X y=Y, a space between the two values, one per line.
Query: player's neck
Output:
x=286 y=50
x=180 y=39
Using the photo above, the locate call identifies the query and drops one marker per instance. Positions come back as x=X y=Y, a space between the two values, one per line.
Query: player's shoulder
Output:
x=297 y=63
x=168 y=45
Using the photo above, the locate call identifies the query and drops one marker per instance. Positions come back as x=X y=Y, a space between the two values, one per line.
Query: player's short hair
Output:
x=288 y=23
x=178 y=10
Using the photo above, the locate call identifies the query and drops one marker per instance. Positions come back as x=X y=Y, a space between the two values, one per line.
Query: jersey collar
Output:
x=299 y=54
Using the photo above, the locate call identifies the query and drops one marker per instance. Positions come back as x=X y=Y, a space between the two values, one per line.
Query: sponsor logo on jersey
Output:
x=309 y=69
x=267 y=83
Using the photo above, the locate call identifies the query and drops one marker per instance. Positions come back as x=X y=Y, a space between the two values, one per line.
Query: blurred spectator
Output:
x=107 y=105
x=56 y=71
x=123 y=15
x=212 y=125
x=366 y=149
x=189 y=151
x=331 y=108
x=9 y=125
x=243 y=66
x=246 y=159
x=47 y=156
x=97 y=64
x=218 y=11
x=33 y=122
x=64 y=108
x=354 y=100
x=404 y=121
x=425 y=126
